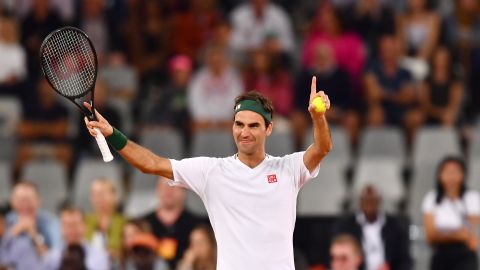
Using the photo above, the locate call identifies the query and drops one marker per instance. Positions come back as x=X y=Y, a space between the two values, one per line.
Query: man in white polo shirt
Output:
x=250 y=196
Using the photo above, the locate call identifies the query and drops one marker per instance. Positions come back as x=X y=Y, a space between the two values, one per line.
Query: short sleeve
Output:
x=472 y=202
x=300 y=171
x=190 y=173
x=428 y=203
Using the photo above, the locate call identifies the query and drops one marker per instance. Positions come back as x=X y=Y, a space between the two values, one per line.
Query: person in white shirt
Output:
x=13 y=65
x=451 y=218
x=251 y=196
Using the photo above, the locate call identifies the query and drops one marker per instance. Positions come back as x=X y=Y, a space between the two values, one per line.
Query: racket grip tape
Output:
x=102 y=144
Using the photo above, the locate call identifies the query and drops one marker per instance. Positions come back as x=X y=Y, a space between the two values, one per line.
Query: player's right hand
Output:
x=101 y=124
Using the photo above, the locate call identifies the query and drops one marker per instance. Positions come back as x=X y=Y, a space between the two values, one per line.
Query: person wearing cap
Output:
x=142 y=253
x=250 y=196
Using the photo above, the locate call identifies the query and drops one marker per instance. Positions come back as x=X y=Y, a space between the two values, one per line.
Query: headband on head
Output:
x=254 y=106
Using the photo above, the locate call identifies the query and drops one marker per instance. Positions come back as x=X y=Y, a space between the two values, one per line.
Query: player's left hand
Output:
x=314 y=94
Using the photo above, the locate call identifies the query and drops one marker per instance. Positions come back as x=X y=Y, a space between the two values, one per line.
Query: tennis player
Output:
x=251 y=196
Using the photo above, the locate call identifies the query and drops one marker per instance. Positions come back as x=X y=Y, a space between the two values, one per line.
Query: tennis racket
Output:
x=69 y=63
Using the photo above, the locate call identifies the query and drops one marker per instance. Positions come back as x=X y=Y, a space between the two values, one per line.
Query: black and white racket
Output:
x=69 y=63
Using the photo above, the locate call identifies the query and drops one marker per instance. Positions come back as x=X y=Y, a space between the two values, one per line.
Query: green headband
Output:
x=254 y=106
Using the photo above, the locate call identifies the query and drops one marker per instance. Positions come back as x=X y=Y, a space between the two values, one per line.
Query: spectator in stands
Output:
x=418 y=30
x=77 y=251
x=348 y=48
x=201 y=253
x=384 y=240
x=166 y=105
x=255 y=21
x=171 y=223
x=210 y=87
x=272 y=81
x=335 y=82
x=16 y=252
x=371 y=19
x=13 y=62
x=462 y=34
x=142 y=253
x=131 y=229
x=38 y=23
x=346 y=253
x=389 y=90
x=43 y=131
x=441 y=95
x=105 y=224
x=451 y=218
x=27 y=220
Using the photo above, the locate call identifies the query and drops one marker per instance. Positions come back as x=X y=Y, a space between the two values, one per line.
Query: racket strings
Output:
x=69 y=63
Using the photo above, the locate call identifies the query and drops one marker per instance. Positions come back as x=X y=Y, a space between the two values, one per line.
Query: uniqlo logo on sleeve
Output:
x=272 y=178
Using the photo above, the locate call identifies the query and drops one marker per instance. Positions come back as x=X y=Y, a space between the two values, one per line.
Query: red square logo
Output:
x=272 y=178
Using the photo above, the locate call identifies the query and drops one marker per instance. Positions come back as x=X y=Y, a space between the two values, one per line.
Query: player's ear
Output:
x=269 y=128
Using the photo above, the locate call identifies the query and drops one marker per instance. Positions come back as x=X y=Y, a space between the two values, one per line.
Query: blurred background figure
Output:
x=13 y=61
x=211 y=86
x=451 y=216
x=171 y=223
x=345 y=253
x=202 y=250
x=27 y=219
x=441 y=94
x=142 y=255
x=105 y=224
x=77 y=252
x=384 y=240
x=43 y=131
x=16 y=252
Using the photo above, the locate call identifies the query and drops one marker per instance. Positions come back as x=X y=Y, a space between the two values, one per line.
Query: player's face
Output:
x=250 y=133
x=343 y=257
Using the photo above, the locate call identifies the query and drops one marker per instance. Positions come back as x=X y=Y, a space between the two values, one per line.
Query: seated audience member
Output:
x=345 y=253
x=389 y=90
x=77 y=252
x=13 y=62
x=210 y=87
x=142 y=254
x=202 y=252
x=418 y=30
x=384 y=241
x=171 y=223
x=43 y=131
x=335 y=82
x=105 y=222
x=27 y=219
x=451 y=214
x=16 y=252
x=166 y=105
x=441 y=95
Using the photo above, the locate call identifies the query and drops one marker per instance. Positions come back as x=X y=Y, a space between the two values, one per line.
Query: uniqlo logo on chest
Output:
x=272 y=178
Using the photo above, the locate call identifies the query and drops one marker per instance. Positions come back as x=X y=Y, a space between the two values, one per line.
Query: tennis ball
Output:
x=319 y=105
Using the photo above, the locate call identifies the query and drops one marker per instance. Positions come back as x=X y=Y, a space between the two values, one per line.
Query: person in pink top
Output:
x=348 y=47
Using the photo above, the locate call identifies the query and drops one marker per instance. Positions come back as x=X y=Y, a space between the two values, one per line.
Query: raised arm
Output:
x=138 y=156
x=322 y=141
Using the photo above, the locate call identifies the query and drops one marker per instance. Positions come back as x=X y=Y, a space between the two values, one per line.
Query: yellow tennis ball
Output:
x=319 y=105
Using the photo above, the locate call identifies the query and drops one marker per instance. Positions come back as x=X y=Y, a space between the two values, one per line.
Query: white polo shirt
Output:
x=252 y=211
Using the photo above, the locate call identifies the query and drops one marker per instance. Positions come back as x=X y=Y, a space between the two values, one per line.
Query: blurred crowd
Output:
x=178 y=64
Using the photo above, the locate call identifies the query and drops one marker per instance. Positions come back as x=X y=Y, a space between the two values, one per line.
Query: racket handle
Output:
x=102 y=144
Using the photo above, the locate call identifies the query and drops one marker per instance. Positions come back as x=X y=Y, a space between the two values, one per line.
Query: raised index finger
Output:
x=313 y=87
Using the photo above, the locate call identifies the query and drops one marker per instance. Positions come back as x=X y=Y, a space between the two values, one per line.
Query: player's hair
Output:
x=347 y=239
x=440 y=190
x=256 y=96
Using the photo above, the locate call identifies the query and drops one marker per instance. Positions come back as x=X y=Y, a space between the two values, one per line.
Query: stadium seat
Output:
x=341 y=152
x=8 y=149
x=325 y=194
x=433 y=143
x=423 y=181
x=213 y=143
x=473 y=173
x=165 y=142
x=5 y=181
x=142 y=197
x=87 y=171
x=194 y=204
x=383 y=173
x=279 y=144
x=382 y=142
x=10 y=116
x=474 y=151
x=50 y=176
